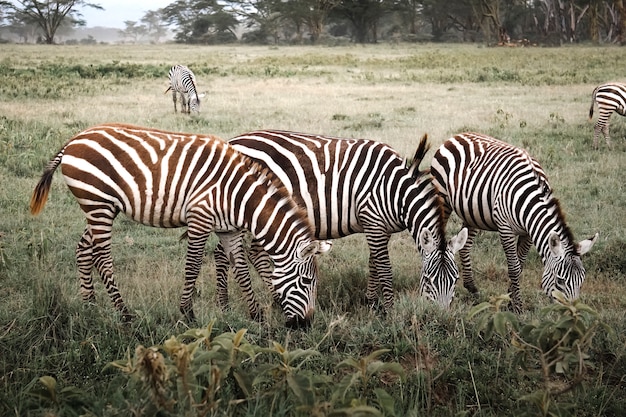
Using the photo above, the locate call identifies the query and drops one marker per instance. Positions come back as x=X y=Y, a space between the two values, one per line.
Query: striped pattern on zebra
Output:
x=357 y=186
x=183 y=83
x=166 y=179
x=611 y=97
x=492 y=185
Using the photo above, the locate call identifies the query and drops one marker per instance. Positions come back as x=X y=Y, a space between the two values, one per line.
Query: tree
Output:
x=153 y=21
x=364 y=16
x=310 y=13
x=48 y=15
x=203 y=21
x=133 y=30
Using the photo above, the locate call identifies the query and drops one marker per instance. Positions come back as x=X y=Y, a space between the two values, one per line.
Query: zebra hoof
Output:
x=128 y=317
x=471 y=288
x=190 y=316
x=258 y=316
x=298 y=323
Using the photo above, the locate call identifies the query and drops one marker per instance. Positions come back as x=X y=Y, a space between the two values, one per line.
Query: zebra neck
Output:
x=421 y=209
x=541 y=230
x=273 y=219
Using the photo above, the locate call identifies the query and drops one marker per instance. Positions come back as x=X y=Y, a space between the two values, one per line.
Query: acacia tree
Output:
x=153 y=21
x=310 y=13
x=200 y=21
x=49 y=15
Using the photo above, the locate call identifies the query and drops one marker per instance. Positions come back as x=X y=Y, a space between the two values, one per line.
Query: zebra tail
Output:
x=168 y=89
x=40 y=194
x=593 y=101
x=420 y=153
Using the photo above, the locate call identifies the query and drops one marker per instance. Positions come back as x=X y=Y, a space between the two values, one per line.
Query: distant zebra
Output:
x=166 y=179
x=183 y=82
x=356 y=186
x=611 y=97
x=494 y=186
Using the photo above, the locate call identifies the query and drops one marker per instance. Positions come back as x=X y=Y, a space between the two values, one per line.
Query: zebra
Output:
x=166 y=179
x=494 y=186
x=353 y=186
x=183 y=82
x=611 y=97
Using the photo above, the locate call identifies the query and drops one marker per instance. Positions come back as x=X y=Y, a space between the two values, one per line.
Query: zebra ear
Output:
x=324 y=246
x=554 y=242
x=426 y=241
x=457 y=242
x=586 y=245
x=315 y=248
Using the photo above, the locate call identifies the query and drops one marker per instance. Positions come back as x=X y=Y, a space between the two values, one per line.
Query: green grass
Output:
x=537 y=98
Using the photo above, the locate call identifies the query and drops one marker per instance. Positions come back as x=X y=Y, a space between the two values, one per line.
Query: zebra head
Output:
x=563 y=270
x=295 y=283
x=439 y=270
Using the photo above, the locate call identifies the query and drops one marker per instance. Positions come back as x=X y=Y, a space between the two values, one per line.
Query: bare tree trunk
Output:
x=621 y=22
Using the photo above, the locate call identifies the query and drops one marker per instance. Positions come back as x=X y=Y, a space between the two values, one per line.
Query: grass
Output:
x=537 y=98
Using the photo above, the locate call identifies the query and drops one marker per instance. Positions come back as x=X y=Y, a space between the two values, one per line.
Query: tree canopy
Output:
x=47 y=15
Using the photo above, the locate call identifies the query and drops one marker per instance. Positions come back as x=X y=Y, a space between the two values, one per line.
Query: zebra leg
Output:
x=84 y=261
x=466 y=260
x=103 y=261
x=264 y=266
x=174 y=99
x=196 y=240
x=222 y=266
x=380 y=269
x=515 y=269
x=234 y=250
x=605 y=131
x=523 y=246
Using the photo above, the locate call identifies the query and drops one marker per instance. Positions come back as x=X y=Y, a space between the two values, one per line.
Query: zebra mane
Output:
x=413 y=167
x=414 y=163
x=567 y=232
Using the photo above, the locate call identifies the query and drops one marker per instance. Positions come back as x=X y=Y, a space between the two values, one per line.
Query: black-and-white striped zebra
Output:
x=356 y=186
x=183 y=83
x=611 y=97
x=166 y=179
x=492 y=185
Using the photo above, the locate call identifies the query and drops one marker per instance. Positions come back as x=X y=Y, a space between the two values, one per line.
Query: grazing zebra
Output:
x=183 y=82
x=166 y=179
x=356 y=186
x=611 y=97
x=494 y=186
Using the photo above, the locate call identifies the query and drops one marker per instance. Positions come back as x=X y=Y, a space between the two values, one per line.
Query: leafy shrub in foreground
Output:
x=558 y=345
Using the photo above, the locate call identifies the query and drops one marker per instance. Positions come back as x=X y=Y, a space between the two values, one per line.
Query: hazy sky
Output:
x=116 y=12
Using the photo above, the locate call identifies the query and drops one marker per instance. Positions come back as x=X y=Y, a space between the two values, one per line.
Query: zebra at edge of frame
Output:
x=350 y=186
x=183 y=82
x=494 y=186
x=610 y=97
x=166 y=179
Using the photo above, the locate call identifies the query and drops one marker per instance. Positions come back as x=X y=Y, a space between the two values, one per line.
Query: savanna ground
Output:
x=56 y=353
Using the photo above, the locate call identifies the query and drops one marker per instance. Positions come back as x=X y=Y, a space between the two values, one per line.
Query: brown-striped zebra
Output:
x=492 y=185
x=611 y=97
x=353 y=186
x=167 y=179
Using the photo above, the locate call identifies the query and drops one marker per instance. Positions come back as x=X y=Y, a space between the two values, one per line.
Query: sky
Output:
x=116 y=12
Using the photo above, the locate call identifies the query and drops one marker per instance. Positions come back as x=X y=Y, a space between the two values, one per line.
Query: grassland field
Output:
x=536 y=98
